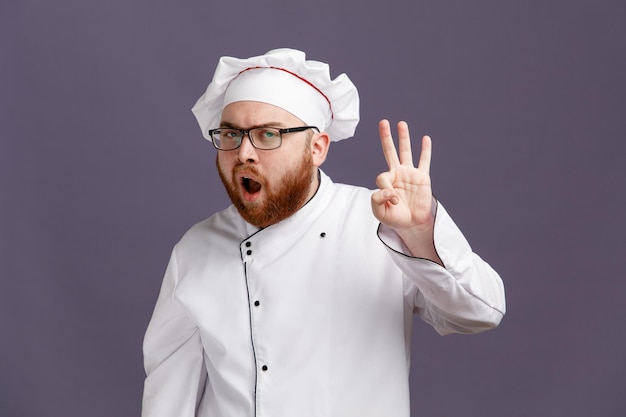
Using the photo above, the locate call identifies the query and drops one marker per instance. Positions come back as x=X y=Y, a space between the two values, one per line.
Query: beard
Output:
x=281 y=200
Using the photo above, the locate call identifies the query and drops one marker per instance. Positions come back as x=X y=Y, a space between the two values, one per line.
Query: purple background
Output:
x=102 y=168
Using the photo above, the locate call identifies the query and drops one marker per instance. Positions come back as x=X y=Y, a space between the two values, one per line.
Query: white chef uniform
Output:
x=309 y=317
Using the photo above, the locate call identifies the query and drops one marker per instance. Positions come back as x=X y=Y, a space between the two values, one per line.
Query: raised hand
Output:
x=404 y=201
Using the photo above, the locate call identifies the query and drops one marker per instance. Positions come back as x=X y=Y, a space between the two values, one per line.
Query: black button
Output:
x=249 y=252
x=264 y=367
x=257 y=303
x=323 y=234
x=248 y=244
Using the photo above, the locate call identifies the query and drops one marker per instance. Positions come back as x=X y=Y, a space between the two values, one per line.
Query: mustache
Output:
x=250 y=170
x=245 y=166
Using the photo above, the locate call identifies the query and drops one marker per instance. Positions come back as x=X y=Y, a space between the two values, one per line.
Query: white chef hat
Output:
x=284 y=78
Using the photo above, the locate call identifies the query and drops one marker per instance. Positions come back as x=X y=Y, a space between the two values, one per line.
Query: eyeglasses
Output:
x=228 y=139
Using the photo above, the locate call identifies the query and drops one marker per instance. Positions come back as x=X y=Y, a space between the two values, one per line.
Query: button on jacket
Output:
x=309 y=317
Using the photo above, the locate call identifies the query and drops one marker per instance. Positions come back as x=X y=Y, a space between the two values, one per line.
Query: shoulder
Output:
x=353 y=204
x=225 y=223
x=356 y=197
x=352 y=191
x=345 y=192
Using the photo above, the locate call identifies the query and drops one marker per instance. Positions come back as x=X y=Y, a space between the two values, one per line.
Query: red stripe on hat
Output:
x=332 y=114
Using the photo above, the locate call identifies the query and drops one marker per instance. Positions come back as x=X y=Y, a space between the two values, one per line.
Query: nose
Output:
x=247 y=152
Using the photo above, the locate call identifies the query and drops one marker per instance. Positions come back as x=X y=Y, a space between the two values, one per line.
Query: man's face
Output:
x=267 y=186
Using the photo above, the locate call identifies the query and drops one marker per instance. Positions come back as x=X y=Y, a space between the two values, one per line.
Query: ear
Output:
x=320 y=142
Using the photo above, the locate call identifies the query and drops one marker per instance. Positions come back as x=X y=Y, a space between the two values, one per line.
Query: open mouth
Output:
x=250 y=185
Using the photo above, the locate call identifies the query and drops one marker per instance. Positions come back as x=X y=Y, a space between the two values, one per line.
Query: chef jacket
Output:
x=311 y=316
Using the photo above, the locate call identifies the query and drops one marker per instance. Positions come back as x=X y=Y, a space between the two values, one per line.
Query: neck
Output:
x=315 y=184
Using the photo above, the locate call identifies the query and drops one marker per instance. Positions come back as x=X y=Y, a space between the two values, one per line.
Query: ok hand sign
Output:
x=404 y=201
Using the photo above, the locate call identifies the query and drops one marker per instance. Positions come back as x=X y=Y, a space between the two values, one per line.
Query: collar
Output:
x=288 y=231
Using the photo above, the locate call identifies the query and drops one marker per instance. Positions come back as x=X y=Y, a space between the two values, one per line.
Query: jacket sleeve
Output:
x=173 y=356
x=467 y=296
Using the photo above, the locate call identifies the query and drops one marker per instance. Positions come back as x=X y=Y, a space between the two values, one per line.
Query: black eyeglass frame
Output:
x=246 y=132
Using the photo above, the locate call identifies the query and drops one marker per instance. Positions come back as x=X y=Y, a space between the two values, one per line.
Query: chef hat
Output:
x=284 y=78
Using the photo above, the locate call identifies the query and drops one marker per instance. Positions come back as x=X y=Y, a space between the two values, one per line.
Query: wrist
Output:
x=419 y=239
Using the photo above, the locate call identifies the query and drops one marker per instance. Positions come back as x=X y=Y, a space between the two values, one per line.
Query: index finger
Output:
x=386 y=140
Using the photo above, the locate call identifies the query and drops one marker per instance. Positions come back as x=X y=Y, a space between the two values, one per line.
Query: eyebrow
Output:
x=268 y=124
